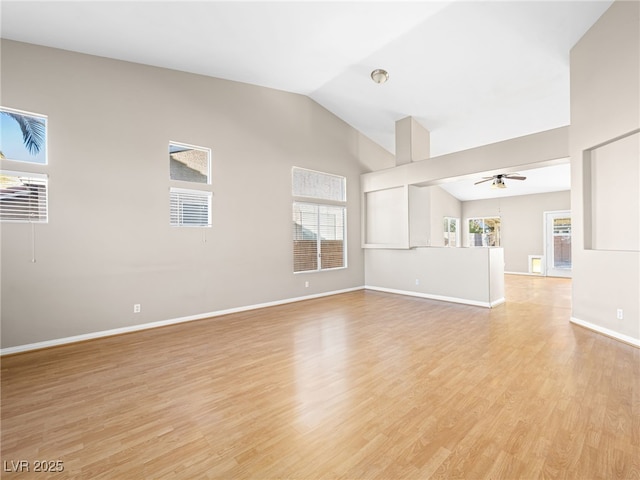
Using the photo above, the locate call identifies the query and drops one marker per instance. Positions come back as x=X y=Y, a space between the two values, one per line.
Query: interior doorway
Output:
x=557 y=243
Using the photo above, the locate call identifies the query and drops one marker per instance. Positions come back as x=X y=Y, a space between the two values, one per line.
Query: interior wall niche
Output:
x=612 y=216
x=386 y=218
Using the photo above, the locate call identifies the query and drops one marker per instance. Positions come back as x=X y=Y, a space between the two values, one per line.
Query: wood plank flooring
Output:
x=363 y=385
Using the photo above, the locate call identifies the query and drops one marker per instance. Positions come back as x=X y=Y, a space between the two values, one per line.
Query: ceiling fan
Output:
x=498 y=180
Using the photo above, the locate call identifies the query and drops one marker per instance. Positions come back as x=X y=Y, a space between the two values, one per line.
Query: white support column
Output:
x=412 y=141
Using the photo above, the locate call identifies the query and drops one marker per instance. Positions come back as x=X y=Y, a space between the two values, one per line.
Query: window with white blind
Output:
x=319 y=229
x=318 y=185
x=189 y=166
x=23 y=197
x=190 y=208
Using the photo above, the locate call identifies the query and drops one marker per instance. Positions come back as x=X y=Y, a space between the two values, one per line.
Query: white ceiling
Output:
x=539 y=180
x=471 y=72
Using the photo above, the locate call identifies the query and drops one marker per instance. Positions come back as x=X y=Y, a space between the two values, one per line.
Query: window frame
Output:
x=182 y=194
x=448 y=232
x=45 y=144
x=39 y=178
x=300 y=197
x=181 y=189
x=483 y=219
x=188 y=146
x=318 y=199
x=319 y=240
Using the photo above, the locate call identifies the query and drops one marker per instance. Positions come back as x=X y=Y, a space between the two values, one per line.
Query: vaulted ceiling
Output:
x=471 y=72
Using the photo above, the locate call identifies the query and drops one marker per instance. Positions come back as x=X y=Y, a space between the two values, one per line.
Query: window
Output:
x=23 y=136
x=189 y=207
x=23 y=197
x=484 y=232
x=318 y=237
x=318 y=228
x=188 y=163
x=451 y=238
x=318 y=185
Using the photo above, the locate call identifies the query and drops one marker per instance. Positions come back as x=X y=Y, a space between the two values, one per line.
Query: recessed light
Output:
x=379 y=75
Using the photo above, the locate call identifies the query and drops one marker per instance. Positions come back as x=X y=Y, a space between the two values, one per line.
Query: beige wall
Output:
x=521 y=223
x=443 y=204
x=605 y=105
x=108 y=243
x=466 y=275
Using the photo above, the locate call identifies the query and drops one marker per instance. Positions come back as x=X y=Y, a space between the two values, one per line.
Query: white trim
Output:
x=388 y=246
x=524 y=273
x=605 y=331
x=16 y=173
x=162 y=323
x=442 y=298
x=542 y=266
x=497 y=302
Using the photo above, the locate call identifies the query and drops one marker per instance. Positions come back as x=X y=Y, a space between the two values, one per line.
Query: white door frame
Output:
x=549 y=269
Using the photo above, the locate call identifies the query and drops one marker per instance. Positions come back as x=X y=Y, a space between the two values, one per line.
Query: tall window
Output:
x=484 y=232
x=319 y=221
x=189 y=166
x=23 y=138
x=451 y=231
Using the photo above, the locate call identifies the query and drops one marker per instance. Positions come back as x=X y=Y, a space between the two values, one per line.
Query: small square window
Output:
x=190 y=208
x=189 y=164
x=23 y=136
x=484 y=232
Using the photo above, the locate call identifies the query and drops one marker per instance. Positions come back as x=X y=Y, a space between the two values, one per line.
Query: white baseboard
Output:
x=464 y=301
x=162 y=323
x=495 y=303
x=525 y=273
x=605 y=331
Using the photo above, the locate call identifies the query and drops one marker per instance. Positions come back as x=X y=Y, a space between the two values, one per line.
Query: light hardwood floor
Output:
x=359 y=385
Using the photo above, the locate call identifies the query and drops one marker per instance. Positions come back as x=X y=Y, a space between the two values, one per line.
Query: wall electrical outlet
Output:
x=619 y=314
x=417 y=281
x=136 y=308
x=306 y=284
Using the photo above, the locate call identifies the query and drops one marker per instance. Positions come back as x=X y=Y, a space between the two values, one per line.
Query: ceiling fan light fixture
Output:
x=498 y=183
x=379 y=76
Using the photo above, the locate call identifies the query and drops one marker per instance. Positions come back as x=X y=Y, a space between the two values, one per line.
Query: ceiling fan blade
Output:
x=485 y=180
x=516 y=178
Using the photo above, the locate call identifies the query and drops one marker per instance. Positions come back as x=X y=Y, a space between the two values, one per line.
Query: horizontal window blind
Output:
x=305 y=237
x=23 y=197
x=331 y=221
x=190 y=208
x=318 y=237
x=322 y=186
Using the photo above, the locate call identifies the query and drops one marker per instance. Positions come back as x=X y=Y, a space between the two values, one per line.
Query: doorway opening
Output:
x=557 y=243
